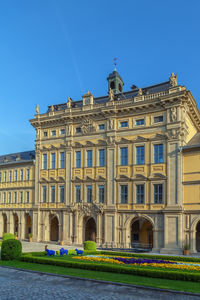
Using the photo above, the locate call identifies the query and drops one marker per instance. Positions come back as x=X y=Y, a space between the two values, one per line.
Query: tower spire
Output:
x=115 y=63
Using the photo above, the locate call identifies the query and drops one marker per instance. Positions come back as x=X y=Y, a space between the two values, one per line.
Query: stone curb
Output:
x=142 y=287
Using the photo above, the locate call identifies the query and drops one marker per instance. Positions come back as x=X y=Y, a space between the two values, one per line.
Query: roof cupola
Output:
x=115 y=81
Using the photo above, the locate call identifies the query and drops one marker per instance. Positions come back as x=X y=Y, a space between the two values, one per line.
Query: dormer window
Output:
x=140 y=122
x=62 y=131
x=124 y=124
x=158 y=119
x=101 y=126
x=53 y=133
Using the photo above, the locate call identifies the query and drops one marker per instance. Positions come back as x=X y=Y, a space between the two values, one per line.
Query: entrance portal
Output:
x=90 y=230
x=28 y=226
x=198 y=237
x=141 y=234
x=54 y=235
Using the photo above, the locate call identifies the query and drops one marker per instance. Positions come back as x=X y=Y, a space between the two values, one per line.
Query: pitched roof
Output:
x=17 y=157
x=195 y=140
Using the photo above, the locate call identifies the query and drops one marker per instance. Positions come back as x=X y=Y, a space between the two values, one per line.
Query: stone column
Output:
x=98 y=237
x=22 y=225
x=35 y=225
x=110 y=176
x=68 y=168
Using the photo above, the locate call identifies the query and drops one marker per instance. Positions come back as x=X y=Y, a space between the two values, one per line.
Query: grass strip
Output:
x=178 y=285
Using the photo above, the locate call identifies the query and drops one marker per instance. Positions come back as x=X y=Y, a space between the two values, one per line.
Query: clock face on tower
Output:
x=87 y=101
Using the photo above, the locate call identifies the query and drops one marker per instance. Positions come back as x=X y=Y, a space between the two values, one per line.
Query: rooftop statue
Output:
x=37 y=109
x=173 y=79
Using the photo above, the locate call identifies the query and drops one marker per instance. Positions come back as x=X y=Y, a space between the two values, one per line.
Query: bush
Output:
x=11 y=249
x=89 y=245
x=8 y=236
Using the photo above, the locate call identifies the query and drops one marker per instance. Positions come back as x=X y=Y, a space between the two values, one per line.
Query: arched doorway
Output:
x=16 y=224
x=28 y=226
x=54 y=233
x=5 y=223
x=198 y=237
x=141 y=234
x=90 y=230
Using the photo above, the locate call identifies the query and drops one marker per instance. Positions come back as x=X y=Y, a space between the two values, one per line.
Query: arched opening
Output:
x=54 y=233
x=28 y=226
x=16 y=224
x=5 y=223
x=141 y=234
x=112 y=85
x=90 y=230
x=198 y=237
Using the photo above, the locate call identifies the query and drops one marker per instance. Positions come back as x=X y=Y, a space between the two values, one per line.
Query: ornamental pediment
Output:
x=139 y=177
x=123 y=141
x=158 y=136
x=157 y=176
x=140 y=139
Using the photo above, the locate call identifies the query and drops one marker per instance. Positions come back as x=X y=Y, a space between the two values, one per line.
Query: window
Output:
x=10 y=176
x=15 y=175
x=21 y=197
x=101 y=126
x=62 y=195
x=158 y=119
x=140 y=155
x=78 y=129
x=15 y=197
x=53 y=194
x=21 y=174
x=62 y=160
x=44 y=161
x=140 y=122
x=45 y=133
x=89 y=194
x=9 y=197
x=158 y=193
x=4 y=197
x=27 y=197
x=124 y=156
x=5 y=176
x=101 y=193
x=53 y=160
x=101 y=157
x=62 y=131
x=158 y=153
x=78 y=159
x=78 y=193
x=140 y=193
x=44 y=194
x=89 y=158
x=124 y=193
x=53 y=133
x=124 y=124
x=27 y=174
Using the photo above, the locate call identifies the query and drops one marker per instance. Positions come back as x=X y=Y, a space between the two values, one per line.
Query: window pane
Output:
x=158 y=193
x=124 y=124
x=124 y=156
x=140 y=193
x=158 y=153
x=78 y=193
x=62 y=194
x=62 y=160
x=140 y=155
x=101 y=126
x=78 y=159
x=53 y=194
x=27 y=197
x=53 y=160
x=158 y=119
x=89 y=158
x=44 y=161
x=44 y=194
x=101 y=193
x=89 y=193
x=140 y=122
x=102 y=158
x=124 y=194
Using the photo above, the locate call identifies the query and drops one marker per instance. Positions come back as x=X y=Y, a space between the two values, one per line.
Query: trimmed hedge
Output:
x=90 y=245
x=8 y=236
x=11 y=249
x=174 y=275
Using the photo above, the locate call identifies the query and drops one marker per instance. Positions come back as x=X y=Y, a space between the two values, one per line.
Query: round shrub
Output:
x=90 y=246
x=8 y=236
x=11 y=249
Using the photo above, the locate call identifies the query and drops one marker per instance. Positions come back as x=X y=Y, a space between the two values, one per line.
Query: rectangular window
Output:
x=89 y=193
x=53 y=160
x=62 y=131
x=158 y=154
x=45 y=133
x=89 y=158
x=62 y=193
x=124 y=124
x=9 y=197
x=140 y=122
x=101 y=157
x=62 y=160
x=4 y=197
x=140 y=155
x=78 y=193
x=27 y=197
x=158 y=119
x=124 y=193
x=27 y=174
x=53 y=133
x=53 y=194
x=10 y=176
x=21 y=174
x=15 y=197
x=15 y=175
x=44 y=194
x=124 y=156
x=158 y=193
x=78 y=159
x=140 y=193
x=44 y=161
x=78 y=129
x=101 y=193
x=5 y=176
x=101 y=126
x=21 y=197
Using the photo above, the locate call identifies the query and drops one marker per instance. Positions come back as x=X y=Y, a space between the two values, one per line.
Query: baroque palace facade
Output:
x=123 y=170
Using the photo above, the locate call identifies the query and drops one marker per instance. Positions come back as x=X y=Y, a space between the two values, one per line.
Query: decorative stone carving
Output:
x=173 y=79
x=88 y=98
x=69 y=130
x=52 y=108
x=69 y=102
x=111 y=94
x=111 y=140
x=173 y=114
x=37 y=109
x=87 y=126
x=140 y=92
x=111 y=124
x=173 y=133
x=89 y=209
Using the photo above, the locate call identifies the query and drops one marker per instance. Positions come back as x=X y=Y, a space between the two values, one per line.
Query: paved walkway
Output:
x=36 y=247
x=16 y=284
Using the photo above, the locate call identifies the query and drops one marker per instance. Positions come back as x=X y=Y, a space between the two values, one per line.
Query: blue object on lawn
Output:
x=79 y=252
x=50 y=252
x=63 y=251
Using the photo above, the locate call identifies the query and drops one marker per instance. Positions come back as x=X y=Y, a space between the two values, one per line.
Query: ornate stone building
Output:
x=122 y=169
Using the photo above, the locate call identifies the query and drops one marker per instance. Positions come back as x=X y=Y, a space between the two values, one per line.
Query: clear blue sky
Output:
x=52 y=49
